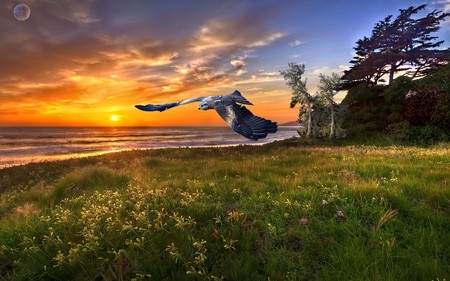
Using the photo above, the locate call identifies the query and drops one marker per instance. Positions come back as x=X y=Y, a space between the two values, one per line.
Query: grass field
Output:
x=283 y=211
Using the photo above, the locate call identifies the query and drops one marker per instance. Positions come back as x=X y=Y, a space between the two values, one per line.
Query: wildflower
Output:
x=237 y=191
x=216 y=233
x=199 y=245
x=272 y=229
x=324 y=202
x=234 y=215
x=217 y=220
x=229 y=245
x=59 y=258
x=200 y=252
x=173 y=252
x=288 y=202
x=340 y=214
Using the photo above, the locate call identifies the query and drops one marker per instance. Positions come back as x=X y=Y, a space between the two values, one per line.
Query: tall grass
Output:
x=282 y=211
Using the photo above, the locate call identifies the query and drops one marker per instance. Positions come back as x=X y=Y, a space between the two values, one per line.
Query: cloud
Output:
x=213 y=35
x=312 y=76
x=236 y=34
x=142 y=61
x=258 y=79
x=239 y=66
x=34 y=98
x=201 y=75
x=442 y=4
x=238 y=63
x=267 y=39
x=295 y=43
x=240 y=72
x=78 y=12
x=328 y=69
x=70 y=58
x=269 y=73
x=219 y=50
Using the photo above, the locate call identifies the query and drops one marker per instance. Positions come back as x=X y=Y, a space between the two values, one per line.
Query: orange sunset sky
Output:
x=88 y=62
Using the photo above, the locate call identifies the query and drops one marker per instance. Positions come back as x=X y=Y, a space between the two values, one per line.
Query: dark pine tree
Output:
x=402 y=44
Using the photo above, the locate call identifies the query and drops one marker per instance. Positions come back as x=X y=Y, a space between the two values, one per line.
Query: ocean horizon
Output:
x=22 y=145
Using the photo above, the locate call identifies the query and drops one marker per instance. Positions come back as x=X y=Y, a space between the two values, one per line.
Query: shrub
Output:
x=399 y=131
x=427 y=134
x=420 y=105
x=396 y=92
x=423 y=135
x=367 y=111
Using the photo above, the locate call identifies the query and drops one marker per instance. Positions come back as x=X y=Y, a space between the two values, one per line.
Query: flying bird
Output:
x=230 y=108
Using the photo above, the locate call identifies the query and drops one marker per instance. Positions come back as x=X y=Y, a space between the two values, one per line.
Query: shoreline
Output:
x=54 y=144
x=57 y=158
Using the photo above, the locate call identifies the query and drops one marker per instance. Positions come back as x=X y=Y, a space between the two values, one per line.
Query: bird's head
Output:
x=205 y=104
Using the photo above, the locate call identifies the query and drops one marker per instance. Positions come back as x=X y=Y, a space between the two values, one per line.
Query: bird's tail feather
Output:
x=237 y=97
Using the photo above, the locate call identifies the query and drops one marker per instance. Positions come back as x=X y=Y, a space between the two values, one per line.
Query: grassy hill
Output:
x=284 y=211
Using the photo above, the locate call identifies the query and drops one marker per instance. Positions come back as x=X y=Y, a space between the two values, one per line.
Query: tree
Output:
x=321 y=119
x=293 y=77
x=327 y=90
x=402 y=44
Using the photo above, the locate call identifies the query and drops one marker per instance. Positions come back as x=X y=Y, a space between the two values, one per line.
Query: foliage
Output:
x=408 y=110
x=300 y=95
x=425 y=107
x=394 y=97
x=396 y=92
x=421 y=107
x=438 y=78
x=236 y=213
x=367 y=112
x=319 y=116
x=399 y=44
x=436 y=86
x=328 y=85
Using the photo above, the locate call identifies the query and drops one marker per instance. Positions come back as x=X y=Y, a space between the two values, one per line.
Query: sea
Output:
x=21 y=145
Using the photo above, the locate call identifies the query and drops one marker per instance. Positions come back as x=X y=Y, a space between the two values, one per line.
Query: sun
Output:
x=114 y=118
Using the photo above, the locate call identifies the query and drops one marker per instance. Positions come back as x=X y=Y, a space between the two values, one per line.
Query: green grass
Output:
x=283 y=211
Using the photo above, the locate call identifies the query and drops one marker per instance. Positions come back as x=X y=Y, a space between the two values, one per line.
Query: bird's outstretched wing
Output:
x=243 y=122
x=162 y=107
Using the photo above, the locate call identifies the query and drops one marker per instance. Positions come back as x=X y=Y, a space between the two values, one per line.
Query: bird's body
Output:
x=240 y=119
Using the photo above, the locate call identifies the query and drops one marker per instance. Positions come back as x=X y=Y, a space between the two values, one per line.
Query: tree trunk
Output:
x=391 y=73
x=332 y=120
x=308 y=132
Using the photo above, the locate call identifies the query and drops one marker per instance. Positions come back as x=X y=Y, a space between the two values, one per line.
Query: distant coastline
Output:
x=289 y=124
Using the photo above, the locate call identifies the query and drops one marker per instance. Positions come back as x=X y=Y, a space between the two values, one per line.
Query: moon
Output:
x=22 y=12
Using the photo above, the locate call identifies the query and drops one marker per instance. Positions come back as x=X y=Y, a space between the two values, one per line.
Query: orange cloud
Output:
x=57 y=71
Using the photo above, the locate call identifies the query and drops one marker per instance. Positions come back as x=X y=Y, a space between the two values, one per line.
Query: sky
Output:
x=88 y=62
